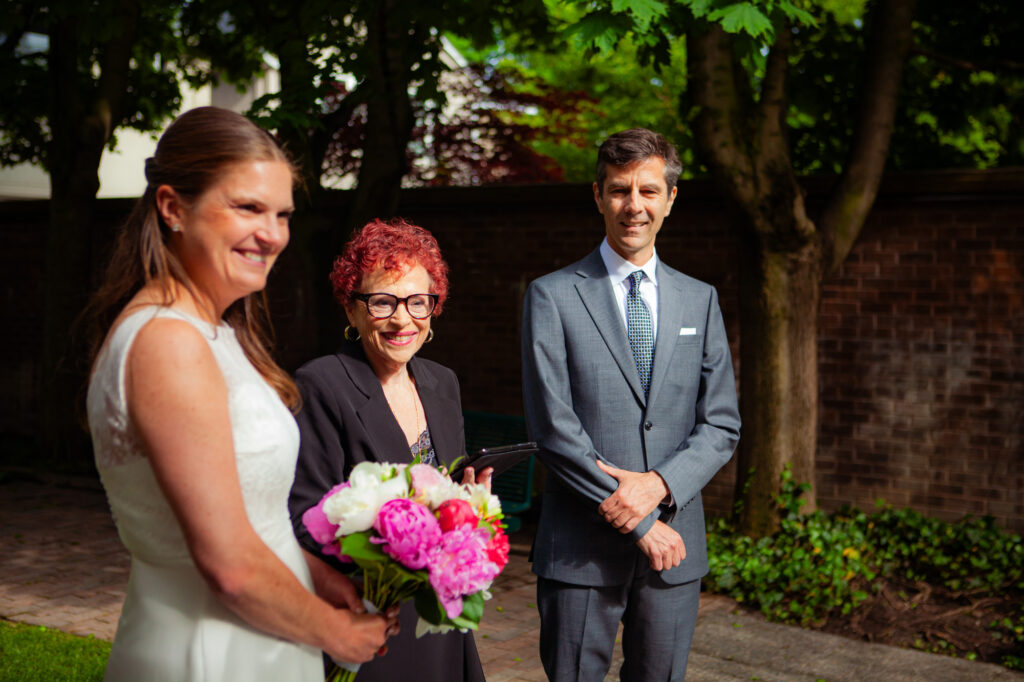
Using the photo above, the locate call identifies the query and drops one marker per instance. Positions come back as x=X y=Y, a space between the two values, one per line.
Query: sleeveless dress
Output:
x=172 y=626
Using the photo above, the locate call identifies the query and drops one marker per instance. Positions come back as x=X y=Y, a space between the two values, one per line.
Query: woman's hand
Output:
x=484 y=479
x=335 y=588
x=359 y=637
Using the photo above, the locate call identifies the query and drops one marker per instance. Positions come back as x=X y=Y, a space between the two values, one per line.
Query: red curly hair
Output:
x=393 y=245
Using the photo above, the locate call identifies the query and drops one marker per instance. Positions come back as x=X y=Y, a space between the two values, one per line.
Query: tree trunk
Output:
x=389 y=123
x=298 y=278
x=81 y=124
x=785 y=255
x=389 y=118
x=779 y=297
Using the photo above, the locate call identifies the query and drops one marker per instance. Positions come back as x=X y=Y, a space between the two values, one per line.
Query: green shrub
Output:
x=810 y=567
x=821 y=564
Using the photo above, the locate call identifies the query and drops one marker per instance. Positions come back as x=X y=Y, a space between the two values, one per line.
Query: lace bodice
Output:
x=264 y=433
x=424 y=447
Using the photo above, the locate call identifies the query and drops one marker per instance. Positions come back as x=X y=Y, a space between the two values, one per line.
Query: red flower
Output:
x=454 y=514
x=497 y=548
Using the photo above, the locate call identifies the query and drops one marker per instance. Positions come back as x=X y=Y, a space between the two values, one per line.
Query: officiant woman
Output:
x=375 y=400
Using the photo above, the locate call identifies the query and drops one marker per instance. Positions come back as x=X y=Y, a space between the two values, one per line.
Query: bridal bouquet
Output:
x=415 y=534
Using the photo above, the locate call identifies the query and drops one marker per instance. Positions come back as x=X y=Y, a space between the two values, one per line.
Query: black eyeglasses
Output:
x=383 y=306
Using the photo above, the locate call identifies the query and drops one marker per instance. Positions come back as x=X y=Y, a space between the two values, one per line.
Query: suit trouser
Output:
x=578 y=624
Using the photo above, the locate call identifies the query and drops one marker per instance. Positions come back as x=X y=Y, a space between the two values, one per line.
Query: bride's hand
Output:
x=338 y=590
x=333 y=587
x=359 y=638
x=484 y=478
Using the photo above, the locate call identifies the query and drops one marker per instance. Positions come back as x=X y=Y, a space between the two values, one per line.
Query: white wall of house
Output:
x=121 y=170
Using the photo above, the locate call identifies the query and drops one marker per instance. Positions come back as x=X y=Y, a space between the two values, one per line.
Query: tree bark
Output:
x=745 y=146
x=889 y=41
x=81 y=124
x=785 y=256
x=297 y=281
x=389 y=117
x=780 y=292
x=392 y=46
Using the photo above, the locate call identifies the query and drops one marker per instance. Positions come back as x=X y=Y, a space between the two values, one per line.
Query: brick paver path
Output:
x=63 y=566
x=61 y=562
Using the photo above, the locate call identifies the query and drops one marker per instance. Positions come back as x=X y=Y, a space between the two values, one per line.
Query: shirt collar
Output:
x=619 y=268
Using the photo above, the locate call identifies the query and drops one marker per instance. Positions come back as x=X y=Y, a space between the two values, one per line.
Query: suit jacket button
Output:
x=648 y=426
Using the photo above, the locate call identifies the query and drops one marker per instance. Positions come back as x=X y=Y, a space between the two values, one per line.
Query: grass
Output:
x=31 y=653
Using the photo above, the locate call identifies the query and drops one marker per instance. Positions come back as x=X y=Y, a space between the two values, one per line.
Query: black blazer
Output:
x=345 y=419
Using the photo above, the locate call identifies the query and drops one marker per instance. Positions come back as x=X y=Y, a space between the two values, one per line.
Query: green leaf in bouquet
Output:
x=429 y=607
x=472 y=612
x=362 y=551
x=403 y=574
x=464 y=623
x=473 y=606
x=453 y=465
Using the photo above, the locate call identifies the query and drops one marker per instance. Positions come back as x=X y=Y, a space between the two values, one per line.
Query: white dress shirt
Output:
x=619 y=269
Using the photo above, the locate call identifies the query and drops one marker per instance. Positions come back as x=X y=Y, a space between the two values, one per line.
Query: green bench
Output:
x=514 y=487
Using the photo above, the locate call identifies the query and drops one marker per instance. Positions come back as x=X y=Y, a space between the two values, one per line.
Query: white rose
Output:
x=353 y=509
x=367 y=474
x=393 y=488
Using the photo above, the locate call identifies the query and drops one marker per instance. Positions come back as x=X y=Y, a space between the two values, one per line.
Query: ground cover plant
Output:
x=33 y=653
x=892 y=576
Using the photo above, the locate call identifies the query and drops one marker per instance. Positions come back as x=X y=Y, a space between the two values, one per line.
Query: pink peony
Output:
x=408 y=531
x=426 y=481
x=456 y=513
x=460 y=567
x=497 y=547
x=320 y=528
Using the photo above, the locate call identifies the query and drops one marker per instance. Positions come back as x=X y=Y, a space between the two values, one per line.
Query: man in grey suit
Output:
x=629 y=390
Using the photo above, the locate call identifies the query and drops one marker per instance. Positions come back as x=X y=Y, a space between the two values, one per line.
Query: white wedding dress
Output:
x=172 y=626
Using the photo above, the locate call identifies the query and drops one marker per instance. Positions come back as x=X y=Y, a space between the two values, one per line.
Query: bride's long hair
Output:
x=189 y=157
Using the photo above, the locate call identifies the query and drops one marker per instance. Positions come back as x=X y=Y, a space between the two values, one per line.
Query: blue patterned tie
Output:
x=638 y=329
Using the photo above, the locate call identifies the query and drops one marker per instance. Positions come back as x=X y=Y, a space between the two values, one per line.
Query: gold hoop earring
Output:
x=348 y=337
x=430 y=336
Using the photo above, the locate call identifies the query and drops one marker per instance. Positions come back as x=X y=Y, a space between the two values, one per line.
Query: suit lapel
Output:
x=672 y=304
x=379 y=423
x=441 y=413
x=595 y=290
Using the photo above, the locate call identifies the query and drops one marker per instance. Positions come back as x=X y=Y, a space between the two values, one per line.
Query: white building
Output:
x=121 y=170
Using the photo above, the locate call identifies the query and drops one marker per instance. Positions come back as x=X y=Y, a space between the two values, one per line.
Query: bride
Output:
x=191 y=427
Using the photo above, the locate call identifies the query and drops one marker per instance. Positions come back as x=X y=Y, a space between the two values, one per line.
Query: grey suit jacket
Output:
x=584 y=401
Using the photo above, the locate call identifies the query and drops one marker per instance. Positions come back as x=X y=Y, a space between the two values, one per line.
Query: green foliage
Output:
x=34 y=34
x=31 y=653
x=362 y=551
x=605 y=22
x=822 y=564
x=962 y=101
x=621 y=91
x=972 y=555
x=813 y=565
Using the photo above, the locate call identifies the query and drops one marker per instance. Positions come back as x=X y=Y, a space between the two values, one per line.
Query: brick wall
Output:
x=922 y=360
x=922 y=329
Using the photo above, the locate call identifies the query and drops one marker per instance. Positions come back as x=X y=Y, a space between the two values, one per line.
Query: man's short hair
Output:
x=637 y=144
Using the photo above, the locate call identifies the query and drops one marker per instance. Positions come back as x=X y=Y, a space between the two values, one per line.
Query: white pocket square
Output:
x=687 y=331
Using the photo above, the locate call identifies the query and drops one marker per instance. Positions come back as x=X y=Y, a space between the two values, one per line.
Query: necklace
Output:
x=416 y=414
